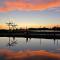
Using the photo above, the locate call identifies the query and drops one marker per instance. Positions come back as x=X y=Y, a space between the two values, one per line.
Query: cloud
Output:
x=28 y=55
x=28 y=5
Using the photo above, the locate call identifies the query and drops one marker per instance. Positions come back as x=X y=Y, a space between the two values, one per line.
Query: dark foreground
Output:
x=30 y=34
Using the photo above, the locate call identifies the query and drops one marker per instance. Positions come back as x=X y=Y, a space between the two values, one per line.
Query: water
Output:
x=17 y=44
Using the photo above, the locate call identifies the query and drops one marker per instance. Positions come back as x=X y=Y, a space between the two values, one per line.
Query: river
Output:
x=19 y=43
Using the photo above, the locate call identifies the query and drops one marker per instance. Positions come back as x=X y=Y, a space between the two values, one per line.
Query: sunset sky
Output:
x=30 y=13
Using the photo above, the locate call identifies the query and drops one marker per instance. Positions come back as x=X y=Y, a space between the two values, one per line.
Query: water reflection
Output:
x=28 y=39
x=55 y=42
x=11 y=42
x=40 y=42
x=18 y=43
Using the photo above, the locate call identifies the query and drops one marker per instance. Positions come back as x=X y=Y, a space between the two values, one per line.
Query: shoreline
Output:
x=47 y=35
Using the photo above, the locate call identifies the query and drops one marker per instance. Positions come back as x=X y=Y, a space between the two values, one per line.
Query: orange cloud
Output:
x=28 y=55
x=32 y=5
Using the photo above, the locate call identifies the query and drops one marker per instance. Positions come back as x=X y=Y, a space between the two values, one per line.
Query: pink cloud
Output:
x=35 y=5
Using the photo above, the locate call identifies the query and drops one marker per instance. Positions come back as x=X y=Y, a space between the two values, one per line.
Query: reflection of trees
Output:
x=12 y=42
x=40 y=41
x=55 y=41
x=27 y=39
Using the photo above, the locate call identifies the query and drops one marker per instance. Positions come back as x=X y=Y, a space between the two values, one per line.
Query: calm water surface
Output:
x=18 y=44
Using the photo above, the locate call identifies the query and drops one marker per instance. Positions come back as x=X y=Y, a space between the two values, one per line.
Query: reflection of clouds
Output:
x=28 y=55
x=56 y=50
